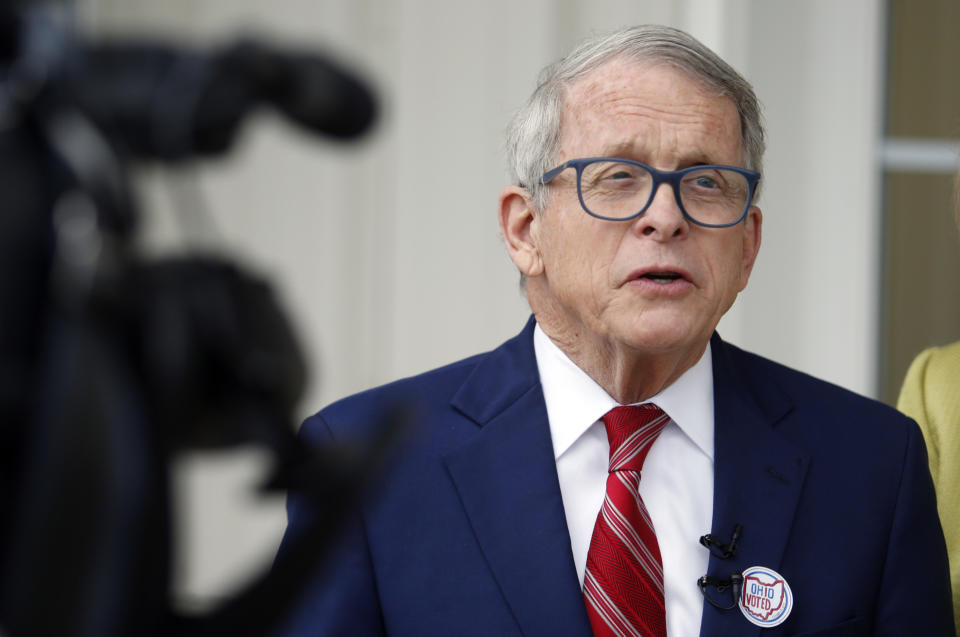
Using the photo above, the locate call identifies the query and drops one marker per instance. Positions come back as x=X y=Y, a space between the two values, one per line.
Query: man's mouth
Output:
x=661 y=277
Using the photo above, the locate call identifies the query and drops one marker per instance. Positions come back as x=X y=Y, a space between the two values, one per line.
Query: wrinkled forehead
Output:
x=599 y=104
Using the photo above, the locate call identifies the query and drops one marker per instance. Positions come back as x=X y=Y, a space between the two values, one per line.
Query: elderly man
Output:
x=768 y=501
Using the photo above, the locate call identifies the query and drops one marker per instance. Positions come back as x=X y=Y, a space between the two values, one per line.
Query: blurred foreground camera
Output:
x=110 y=362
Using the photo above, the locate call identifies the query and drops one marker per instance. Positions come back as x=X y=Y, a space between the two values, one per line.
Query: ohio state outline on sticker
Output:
x=766 y=598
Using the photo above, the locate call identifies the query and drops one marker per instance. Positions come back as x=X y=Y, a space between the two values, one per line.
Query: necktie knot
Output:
x=631 y=430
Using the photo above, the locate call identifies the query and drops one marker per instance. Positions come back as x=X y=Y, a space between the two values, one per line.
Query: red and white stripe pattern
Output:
x=623 y=584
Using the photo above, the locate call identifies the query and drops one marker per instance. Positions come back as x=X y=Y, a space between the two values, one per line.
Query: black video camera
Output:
x=110 y=362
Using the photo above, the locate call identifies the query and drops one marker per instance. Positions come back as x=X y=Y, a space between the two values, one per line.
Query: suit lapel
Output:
x=507 y=480
x=758 y=476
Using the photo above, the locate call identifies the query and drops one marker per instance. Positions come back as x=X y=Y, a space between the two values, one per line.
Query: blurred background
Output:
x=386 y=252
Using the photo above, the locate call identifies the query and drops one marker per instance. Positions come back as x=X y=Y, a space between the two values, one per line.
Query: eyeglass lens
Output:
x=616 y=190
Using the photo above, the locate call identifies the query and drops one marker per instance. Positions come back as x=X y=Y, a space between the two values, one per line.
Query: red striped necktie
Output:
x=623 y=584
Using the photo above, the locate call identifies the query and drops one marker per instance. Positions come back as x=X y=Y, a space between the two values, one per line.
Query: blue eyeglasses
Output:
x=619 y=189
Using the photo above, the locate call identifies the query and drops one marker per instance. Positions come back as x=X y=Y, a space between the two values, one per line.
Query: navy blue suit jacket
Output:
x=466 y=534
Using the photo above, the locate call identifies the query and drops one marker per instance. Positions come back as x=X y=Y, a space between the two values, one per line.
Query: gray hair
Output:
x=533 y=138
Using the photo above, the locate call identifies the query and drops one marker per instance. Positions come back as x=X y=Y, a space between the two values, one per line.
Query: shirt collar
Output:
x=575 y=401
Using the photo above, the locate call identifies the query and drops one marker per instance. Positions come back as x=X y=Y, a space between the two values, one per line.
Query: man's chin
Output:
x=665 y=337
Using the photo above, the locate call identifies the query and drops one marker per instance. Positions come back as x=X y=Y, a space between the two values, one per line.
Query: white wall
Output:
x=813 y=301
x=387 y=252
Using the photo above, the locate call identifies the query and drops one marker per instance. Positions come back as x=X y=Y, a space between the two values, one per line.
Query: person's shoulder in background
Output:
x=930 y=392
x=931 y=396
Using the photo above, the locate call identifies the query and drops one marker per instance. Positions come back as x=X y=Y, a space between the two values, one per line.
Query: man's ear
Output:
x=752 y=232
x=517 y=221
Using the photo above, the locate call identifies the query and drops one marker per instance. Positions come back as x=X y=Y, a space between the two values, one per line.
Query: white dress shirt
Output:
x=677 y=480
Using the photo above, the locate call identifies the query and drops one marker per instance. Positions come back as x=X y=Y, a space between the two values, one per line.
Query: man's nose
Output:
x=663 y=219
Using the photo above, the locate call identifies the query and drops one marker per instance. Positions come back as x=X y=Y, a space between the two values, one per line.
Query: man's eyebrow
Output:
x=626 y=150
x=629 y=150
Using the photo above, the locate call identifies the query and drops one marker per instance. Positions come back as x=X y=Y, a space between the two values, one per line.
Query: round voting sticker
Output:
x=766 y=599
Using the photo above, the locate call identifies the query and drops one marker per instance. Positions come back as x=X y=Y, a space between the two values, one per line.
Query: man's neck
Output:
x=629 y=375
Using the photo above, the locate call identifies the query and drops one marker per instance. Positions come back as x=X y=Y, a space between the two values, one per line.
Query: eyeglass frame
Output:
x=672 y=177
